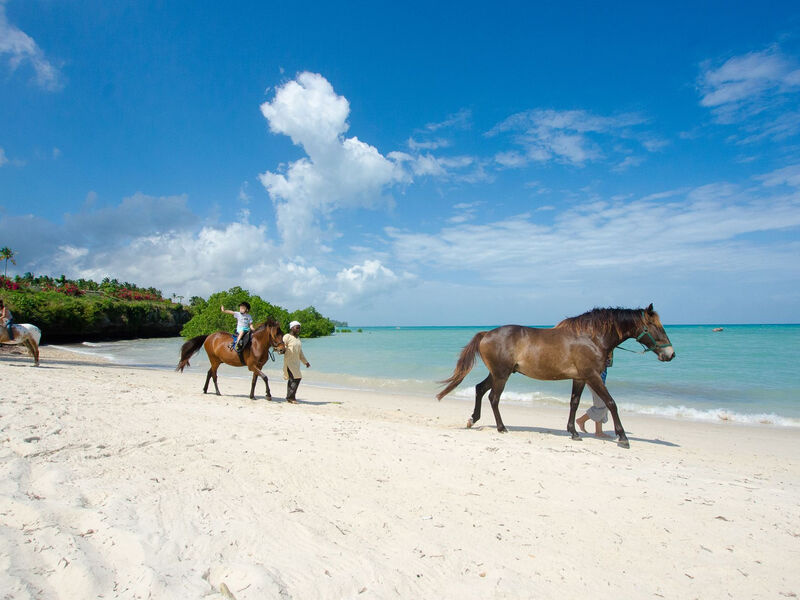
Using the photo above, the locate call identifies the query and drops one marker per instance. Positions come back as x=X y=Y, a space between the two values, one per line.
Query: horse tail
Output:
x=188 y=349
x=464 y=365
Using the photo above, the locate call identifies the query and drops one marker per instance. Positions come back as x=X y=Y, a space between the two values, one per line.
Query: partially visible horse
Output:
x=217 y=346
x=24 y=334
x=577 y=348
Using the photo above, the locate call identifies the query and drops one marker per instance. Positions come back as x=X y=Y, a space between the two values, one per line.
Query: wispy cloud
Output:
x=759 y=89
x=428 y=145
x=789 y=176
x=705 y=229
x=464 y=212
x=460 y=120
x=19 y=49
x=573 y=137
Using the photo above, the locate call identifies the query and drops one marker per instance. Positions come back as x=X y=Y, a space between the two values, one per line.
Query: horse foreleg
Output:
x=498 y=385
x=599 y=388
x=480 y=390
x=253 y=386
x=269 y=394
x=257 y=372
x=574 y=401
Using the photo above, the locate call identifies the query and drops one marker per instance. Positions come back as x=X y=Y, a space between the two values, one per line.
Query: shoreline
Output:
x=128 y=481
x=673 y=412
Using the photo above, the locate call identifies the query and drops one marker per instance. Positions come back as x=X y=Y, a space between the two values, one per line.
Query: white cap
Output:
x=294 y=324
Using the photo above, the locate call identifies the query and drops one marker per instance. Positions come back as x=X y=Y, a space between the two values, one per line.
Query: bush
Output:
x=313 y=323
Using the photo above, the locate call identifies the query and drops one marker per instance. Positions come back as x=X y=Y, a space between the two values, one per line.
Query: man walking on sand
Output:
x=292 y=359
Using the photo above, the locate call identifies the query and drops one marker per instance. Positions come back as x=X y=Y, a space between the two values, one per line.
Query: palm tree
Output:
x=7 y=254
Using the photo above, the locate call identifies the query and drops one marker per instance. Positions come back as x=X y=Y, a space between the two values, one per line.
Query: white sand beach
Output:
x=131 y=483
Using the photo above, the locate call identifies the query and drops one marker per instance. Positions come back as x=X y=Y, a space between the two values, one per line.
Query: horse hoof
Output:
x=576 y=437
x=624 y=444
x=470 y=423
x=268 y=398
x=502 y=430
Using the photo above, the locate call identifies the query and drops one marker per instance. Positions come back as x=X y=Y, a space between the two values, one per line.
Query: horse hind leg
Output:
x=208 y=379
x=494 y=397
x=212 y=374
x=574 y=401
x=33 y=348
x=480 y=391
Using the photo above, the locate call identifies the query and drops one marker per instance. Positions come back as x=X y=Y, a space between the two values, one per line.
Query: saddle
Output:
x=240 y=347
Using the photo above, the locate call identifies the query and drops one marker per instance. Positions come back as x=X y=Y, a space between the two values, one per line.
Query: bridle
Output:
x=275 y=346
x=650 y=344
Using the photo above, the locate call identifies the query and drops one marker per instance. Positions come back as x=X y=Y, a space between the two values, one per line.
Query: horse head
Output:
x=653 y=336
x=275 y=335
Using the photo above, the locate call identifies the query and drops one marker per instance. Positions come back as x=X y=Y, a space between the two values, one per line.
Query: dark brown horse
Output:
x=577 y=348
x=217 y=345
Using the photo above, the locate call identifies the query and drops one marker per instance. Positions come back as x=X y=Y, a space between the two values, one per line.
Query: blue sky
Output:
x=409 y=164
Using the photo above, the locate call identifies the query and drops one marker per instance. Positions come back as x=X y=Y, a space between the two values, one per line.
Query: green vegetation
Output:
x=79 y=310
x=208 y=318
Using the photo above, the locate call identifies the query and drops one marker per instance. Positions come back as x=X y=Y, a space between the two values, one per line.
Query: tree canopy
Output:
x=208 y=318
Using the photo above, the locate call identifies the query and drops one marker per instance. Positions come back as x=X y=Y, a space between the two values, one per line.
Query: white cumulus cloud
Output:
x=338 y=172
x=365 y=280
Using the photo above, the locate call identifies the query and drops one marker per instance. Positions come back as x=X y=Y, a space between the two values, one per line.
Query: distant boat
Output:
x=717 y=329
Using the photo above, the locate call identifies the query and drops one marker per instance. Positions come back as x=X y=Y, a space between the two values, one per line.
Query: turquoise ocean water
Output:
x=745 y=373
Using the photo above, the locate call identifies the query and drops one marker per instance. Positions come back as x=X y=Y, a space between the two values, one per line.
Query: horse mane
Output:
x=269 y=322
x=603 y=320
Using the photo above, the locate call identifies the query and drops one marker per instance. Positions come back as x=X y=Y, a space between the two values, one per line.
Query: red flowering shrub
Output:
x=8 y=284
x=128 y=294
x=70 y=289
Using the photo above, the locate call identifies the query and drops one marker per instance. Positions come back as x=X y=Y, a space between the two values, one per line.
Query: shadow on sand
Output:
x=566 y=434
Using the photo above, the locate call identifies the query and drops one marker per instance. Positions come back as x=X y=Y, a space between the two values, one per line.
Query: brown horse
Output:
x=217 y=345
x=577 y=348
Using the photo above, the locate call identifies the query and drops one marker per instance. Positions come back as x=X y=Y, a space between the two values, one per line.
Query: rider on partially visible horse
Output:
x=577 y=348
x=23 y=334
x=7 y=320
